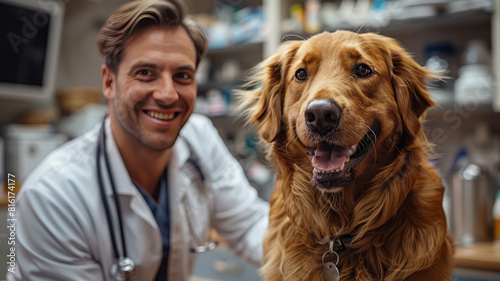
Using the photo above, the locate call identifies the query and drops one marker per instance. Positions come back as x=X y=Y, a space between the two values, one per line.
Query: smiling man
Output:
x=136 y=196
x=151 y=96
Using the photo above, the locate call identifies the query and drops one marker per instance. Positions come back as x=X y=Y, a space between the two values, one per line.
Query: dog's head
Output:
x=350 y=100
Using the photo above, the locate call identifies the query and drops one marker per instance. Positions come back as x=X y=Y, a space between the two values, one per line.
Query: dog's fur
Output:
x=390 y=200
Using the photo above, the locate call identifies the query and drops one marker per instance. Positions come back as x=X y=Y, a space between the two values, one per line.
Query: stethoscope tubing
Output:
x=101 y=145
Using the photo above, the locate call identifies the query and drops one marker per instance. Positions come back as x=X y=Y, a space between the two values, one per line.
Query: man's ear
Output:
x=108 y=82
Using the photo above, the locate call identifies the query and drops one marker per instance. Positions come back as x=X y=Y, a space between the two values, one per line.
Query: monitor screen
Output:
x=24 y=51
x=30 y=32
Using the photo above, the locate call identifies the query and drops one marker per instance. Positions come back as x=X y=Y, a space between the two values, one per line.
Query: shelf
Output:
x=237 y=48
x=229 y=85
x=461 y=118
x=484 y=111
x=461 y=18
x=440 y=20
x=485 y=256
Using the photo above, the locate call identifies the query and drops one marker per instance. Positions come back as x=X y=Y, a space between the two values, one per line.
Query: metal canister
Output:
x=472 y=205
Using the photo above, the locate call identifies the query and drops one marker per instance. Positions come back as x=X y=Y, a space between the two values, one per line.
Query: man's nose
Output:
x=166 y=92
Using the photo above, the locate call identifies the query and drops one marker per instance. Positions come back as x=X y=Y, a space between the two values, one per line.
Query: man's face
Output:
x=154 y=88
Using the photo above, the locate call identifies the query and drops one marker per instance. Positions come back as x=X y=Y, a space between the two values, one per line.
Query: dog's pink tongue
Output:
x=328 y=158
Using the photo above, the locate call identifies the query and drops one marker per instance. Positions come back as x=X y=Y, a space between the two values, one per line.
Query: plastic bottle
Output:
x=474 y=85
x=439 y=53
x=496 y=216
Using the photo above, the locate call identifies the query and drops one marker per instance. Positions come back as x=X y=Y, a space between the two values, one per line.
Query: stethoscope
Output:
x=123 y=269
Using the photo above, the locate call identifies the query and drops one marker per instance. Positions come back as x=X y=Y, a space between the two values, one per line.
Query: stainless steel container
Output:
x=473 y=198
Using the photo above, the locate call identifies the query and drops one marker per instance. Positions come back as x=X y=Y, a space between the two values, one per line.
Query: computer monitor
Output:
x=30 y=32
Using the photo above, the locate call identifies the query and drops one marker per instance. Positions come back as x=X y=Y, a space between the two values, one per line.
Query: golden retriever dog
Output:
x=355 y=197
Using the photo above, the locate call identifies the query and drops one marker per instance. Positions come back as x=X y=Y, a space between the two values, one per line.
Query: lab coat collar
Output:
x=123 y=183
x=176 y=176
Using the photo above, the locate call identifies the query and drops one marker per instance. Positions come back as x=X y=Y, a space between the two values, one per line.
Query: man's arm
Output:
x=239 y=215
x=51 y=242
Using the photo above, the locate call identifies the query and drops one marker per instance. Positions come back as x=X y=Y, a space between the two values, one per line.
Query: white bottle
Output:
x=474 y=85
x=496 y=216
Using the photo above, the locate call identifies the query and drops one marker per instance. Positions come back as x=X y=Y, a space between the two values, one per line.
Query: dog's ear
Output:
x=264 y=104
x=409 y=83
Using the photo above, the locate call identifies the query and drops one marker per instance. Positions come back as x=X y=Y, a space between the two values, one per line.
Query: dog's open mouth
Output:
x=332 y=163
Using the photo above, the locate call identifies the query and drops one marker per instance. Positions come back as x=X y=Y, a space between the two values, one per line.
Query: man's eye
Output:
x=144 y=72
x=301 y=75
x=183 y=78
x=145 y=75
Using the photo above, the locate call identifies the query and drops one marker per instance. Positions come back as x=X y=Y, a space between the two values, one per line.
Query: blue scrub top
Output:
x=161 y=212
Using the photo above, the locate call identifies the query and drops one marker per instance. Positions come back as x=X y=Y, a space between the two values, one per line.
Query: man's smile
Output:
x=160 y=116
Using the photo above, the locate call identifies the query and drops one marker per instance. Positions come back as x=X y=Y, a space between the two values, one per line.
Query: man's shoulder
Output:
x=75 y=152
x=72 y=159
x=199 y=131
x=197 y=123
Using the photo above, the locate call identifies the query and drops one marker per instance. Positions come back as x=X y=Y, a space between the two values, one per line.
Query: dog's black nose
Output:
x=322 y=115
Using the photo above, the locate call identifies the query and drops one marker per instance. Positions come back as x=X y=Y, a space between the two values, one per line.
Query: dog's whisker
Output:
x=324 y=206
x=329 y=208
x=361 y=27
x=290 y=140
x=369 y=128
x=355 y=133
x=371 y=140
x=294 y=36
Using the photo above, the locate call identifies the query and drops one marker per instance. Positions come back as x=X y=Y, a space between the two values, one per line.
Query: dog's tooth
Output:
x=352 y=149
x=342 y=167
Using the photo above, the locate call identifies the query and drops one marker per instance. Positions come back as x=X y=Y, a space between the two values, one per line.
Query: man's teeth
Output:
x=161 y=116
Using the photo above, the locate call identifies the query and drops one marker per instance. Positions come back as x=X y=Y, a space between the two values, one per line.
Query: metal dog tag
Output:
x=330 y=272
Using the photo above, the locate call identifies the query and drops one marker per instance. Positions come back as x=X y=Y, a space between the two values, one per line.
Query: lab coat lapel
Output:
x=176 y=176
x=178 y=185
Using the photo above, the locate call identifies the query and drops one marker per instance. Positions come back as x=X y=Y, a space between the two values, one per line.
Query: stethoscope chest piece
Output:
x=124 y=270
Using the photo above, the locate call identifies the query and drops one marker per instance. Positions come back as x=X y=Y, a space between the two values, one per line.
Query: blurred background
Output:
x=50 y=92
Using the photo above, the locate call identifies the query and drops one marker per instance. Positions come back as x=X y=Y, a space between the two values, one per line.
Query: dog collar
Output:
x=339 y=243
x=335 y=245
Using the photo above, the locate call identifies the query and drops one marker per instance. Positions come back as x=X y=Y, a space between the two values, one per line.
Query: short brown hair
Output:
x=120 y=27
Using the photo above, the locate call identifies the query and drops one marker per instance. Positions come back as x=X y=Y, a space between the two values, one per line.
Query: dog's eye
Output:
x=362 y=71
x=301 y=75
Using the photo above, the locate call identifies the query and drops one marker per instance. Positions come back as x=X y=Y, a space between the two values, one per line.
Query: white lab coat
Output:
x=62 y=231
